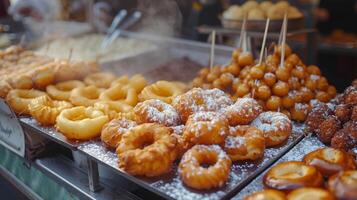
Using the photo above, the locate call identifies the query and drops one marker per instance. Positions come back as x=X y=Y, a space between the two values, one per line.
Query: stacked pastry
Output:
x=287 y=87
x=299 y=180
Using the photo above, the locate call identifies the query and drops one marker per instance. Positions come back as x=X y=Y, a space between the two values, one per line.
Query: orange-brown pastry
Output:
x=344 y=185
x=205 y=167
x=137 y=81
x=163 y=90
x=267 y=194
x=329 y=161
x=62 y=91
x=291 y=175
x=275 y=126
x=120 y=95
x=19 y=99
x=147 y=149
x=244 y=143
x=5 y=88
x=309 y=193
x=243 y=111
x=112 y=109
x=100 y=79
x=113 y=131
x=328 y=128
x=85 y=96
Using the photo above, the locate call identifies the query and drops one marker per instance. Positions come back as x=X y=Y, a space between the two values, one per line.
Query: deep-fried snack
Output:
x=85 y=96
x=19 y=99
x=344 y=185
x=163 y=90
x=113 y=109
x=113 y=131
x=100 y=79
x=243 y=111
x=343 y=112
x=267 y=194
x=328 y=128
x=307 y=193
x=137 y=81
x=343 y=140
x=62 y=91
x=120 y=94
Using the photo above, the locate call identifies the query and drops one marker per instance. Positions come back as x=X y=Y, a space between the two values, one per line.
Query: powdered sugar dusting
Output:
x=271 y=121
x=233 y=142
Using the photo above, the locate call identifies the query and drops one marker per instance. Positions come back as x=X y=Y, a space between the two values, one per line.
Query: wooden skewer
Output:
x=242 y=33
x=282 y=54
x=264 y=40
x=70 y=54
x=213 y=42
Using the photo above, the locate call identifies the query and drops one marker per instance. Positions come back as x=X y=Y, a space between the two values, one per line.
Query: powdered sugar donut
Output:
x=243 y=111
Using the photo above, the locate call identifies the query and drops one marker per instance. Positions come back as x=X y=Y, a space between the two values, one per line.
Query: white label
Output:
x=11 y=133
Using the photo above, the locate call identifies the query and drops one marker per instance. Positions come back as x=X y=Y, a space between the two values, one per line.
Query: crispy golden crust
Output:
x=85 y=96
x=120 y=94
x=62 y=91
x=112 y=131
x=162 y=90
x=343 y=185
x=19 y=99
x=243 y=111
x=100 y=79
x=310 y=193
x=267 y=194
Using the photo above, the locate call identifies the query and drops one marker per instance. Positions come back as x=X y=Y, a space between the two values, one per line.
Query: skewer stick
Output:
x=264 y=40
x=242 y=32
x=213 y=42
x=282 y=54
x=70 y=54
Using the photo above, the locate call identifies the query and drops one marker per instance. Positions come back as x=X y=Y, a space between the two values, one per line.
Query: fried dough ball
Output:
x=242 y=90
x=342 y=140
x=288 y=102
x=269 y=79
x=256 y=14
x=310 y=193
x=343 y=112
x=193 y=172
x=113 y=131
x=299 y=112
x=245 y=59
x=19 y=99
x=278 y=48
x=331 y=90
x=62 y=91
x=243 y=111
x=328 y=128
x=322 y=84
x=280 y=89
x=298 y=72
x=344 y=184
x=318 y=114
x=294 y=83
x=85 y=96
x=306 y=94
x=350 y=96
x=267 y=194
x=257 y=72
x=282 y=74
x=323 y=96
x=313 y=69
x=351 y=128
x=354 y=113
x=263 y=92
x=100 y=79
x=274 y=103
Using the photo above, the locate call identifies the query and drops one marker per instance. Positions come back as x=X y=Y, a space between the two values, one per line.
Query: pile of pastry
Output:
x=335 y=123
x=203 y=129
x=287 y=87
x=260 y=11
x=297 y=180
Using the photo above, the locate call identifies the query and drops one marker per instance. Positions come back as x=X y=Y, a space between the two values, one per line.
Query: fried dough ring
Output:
x=43 y=76
x=310 y=193
x=243 y=111
x=194 y=175
x=81 y=123
x=138 y=82
x=112 y=108
x=19 y=99
x=85 y=96
x=245 y=143
x=120 y=94
x=330 y=161
x=147 y=149
x=62 y=91
x=45 y=110
x=275 y=126
x=267 y=194
x=100 y=79
x=5 y=88
x=113 y=131
x=163 y=90
x=291 y=175
x=344 y=185
x=156 y=111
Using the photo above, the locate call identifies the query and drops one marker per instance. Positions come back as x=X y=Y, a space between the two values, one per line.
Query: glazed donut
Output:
x=112 y=131
x=244 y=143
x=120 y=94
x=267 y=194
x=100 y=79
x=275 y=126
x=81 y=123
x=193 y=172
x=310 y=193
x=162 y=90
x=206 y=128
x=138 y=82
x=243 y=111
x=19 y=99
x=45 y=110
x=112 y=108
x=329 y=161
x=85 y=96
x=198 y=99
x=344 y=185
x=156 y=111
x=291 y=175
x=62 y=91
x=147 y=149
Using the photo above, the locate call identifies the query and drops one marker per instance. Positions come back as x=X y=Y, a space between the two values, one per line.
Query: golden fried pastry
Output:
x=137 y=81
x=198 y=99
x=206 y=128
x=147 y=150
x=120 y=94
x=330 y=161
x=243 y=111
x=113 y=131
x=65 y=70
x=275 y=126
x=112 y=109
x=309 y=193
x=267 y=194
x=85 y=96
x=100 y=79
x=22 y=81
x=344 y=185
x=156 y=111
x=244 y=143
x=19 y=99
x=62 y=91
x=5 y=88
x=81 y=123
x=162 y=90
x=45 y=110
x=291 y=175
x=328 y=128
x=43 y=76
x=194 y=173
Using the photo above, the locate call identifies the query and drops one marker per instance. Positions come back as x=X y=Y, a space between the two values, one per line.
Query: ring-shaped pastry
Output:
x=243 y=111
x=137 y=81
x=85 y=96
x=112 y=131
x=43 y=76
x=267 y=194
x=307 y=193
x=147 y=149
x=81 y=123
x=62 y=91
x=292 y=175
x=162 y=90
x=195 y=174
x=19 y=99
x=45 y=110
x=119 y=93
x=100 y=79
x=344 y=185
x=112 y=108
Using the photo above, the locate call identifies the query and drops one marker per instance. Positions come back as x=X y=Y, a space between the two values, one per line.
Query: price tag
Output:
x=11 y=133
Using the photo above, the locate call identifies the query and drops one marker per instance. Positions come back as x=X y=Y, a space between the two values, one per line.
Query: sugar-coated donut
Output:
x=156 y=111
x=85 y=96
x=163 y=90
x=137 y=81
x=206 y=128
x=344 y=185
x=81 y=123
x=330 y=161
x=19 y=99
x=100 y=79
x=267 y=194
x=112 y=131
x=243 y=111
x=120 y=94
x=45 y=110
x=308 y=193
x=112 y=108
x=244 y=143
x=62 y=91
x=195 y=175
x=275 y=126
x=291 y=175
x=147 y=149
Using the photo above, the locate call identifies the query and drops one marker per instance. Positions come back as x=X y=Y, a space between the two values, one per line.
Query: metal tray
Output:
x=170 y=186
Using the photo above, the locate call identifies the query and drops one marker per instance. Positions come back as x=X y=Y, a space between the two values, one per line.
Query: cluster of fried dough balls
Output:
x=260 y=11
